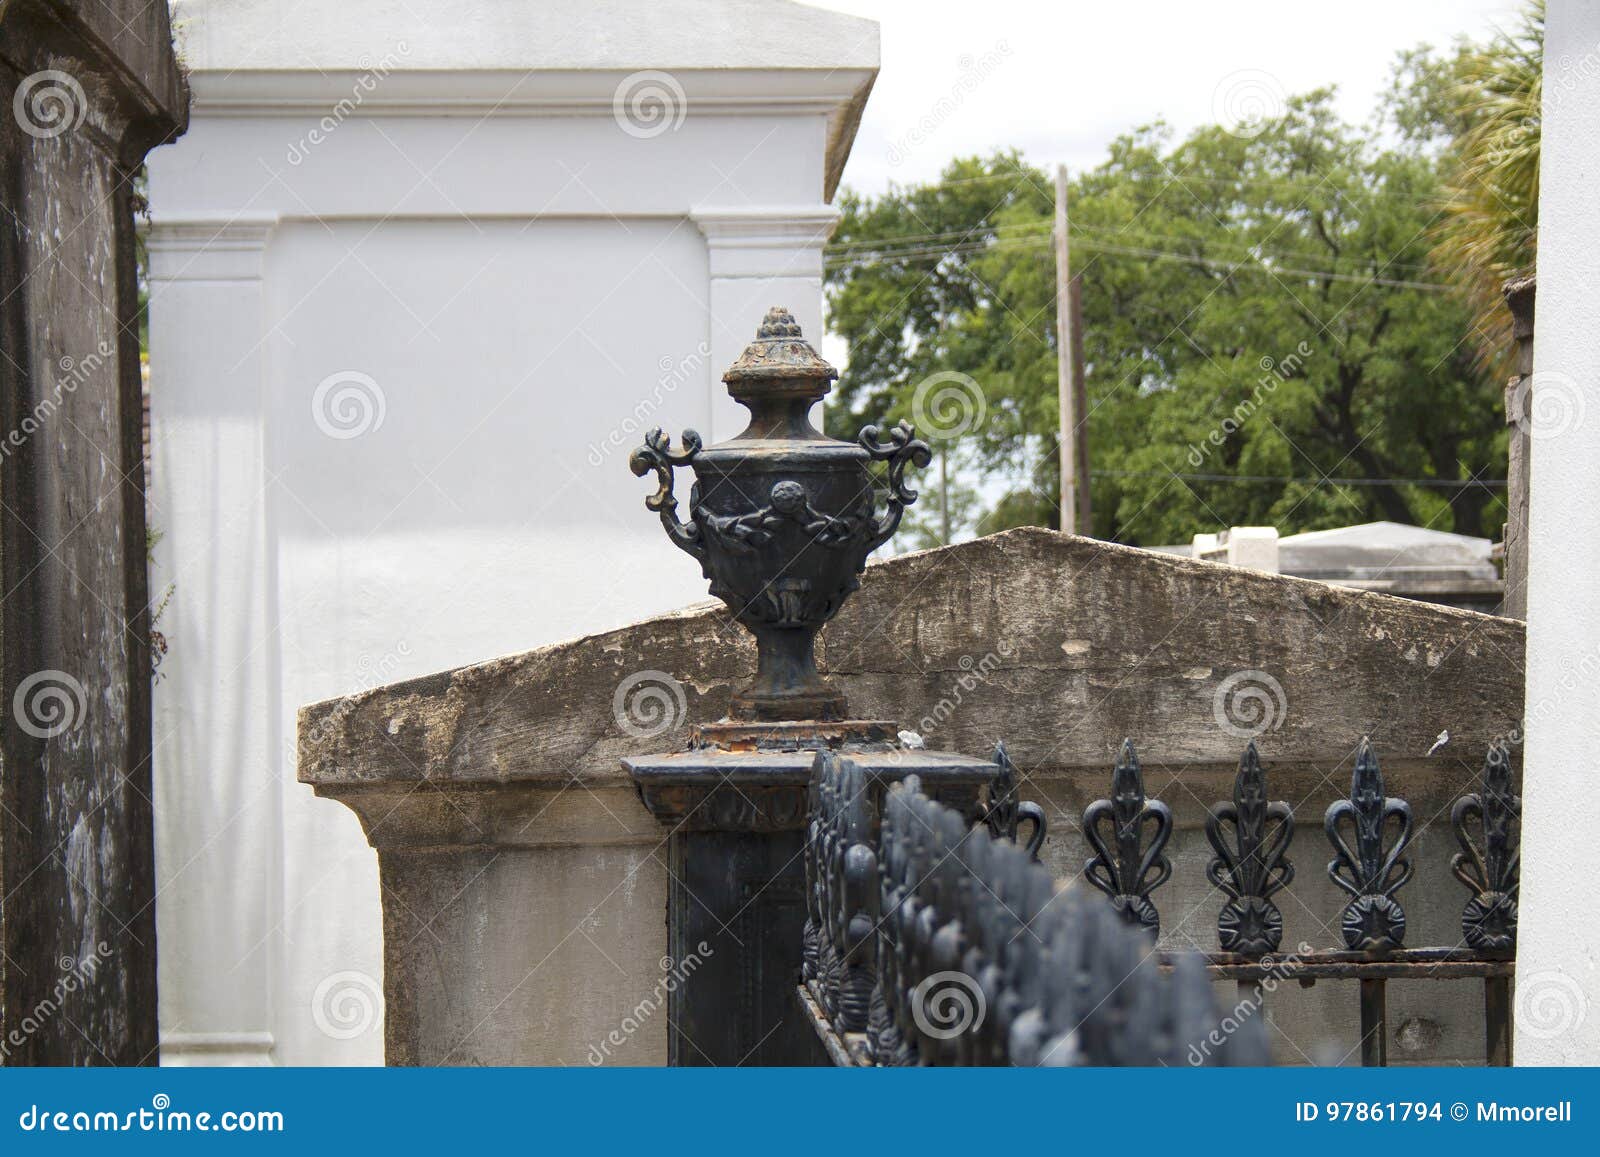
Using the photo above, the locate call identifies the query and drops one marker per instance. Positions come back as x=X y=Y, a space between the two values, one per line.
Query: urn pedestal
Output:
x=781 y=519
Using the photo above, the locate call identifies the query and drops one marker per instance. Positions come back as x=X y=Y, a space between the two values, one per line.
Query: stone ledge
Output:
x=1060 y=645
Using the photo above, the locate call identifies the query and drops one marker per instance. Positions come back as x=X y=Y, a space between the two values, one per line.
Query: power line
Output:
x=911 y=245
x=1443 y=483
x=1251 y=264
x=1024 y=226
x=1168 y=177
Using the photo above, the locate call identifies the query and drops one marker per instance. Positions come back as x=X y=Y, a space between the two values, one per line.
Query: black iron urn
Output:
x=782 y=517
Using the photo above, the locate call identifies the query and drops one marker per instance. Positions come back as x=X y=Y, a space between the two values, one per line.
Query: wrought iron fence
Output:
x=930 y=940
x=934 y=942
x=1370 y=835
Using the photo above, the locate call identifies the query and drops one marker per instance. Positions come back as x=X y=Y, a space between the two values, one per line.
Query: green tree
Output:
x=1263 y=343
x=1489 y=200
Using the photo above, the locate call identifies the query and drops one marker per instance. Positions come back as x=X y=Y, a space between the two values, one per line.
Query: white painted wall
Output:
x=1558 y=951
x=400 y=350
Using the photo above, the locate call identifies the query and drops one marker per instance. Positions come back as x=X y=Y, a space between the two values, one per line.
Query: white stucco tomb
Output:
x=421 y=276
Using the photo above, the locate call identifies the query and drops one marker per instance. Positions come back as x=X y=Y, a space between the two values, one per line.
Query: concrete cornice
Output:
x=839 y=94
x=766 y=240
x=209 y=246
x=516 y=35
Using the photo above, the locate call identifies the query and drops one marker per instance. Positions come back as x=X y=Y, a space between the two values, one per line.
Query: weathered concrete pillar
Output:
x=1558 y=977
x=522 y=923
x=758 y=256
x=1519 y=439
x=85 y=91
x=213 y=845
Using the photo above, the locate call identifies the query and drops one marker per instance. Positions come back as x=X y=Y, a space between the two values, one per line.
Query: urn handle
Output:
x=657 y=454
x=901 y=450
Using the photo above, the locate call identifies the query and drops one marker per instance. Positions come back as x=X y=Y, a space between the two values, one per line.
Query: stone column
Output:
x=219 y=852
x=1557 y=984
x=522 y=924
x=759 y=257
x=86 y=90
x=1519 y=401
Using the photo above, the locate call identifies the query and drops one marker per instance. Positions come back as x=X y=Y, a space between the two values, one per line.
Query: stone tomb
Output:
x=524 y=884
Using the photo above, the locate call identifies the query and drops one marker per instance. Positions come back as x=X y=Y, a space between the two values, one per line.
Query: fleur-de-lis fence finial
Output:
x=1135 y=869
x=1006 y=814
x=1254 y=867
x=1373 y=871
x=1489 y=920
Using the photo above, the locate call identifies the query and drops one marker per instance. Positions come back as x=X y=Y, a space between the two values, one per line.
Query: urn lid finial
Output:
x=779 y=354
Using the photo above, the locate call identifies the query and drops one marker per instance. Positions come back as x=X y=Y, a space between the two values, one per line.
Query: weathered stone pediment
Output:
x=1059 y=645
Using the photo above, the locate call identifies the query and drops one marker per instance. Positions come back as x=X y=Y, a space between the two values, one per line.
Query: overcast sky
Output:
x=1060 y=80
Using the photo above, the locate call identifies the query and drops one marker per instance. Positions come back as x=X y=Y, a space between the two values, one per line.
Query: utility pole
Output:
x=944 y=454
x=1080 y=406
x=944 y=497
x=1069 y=374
